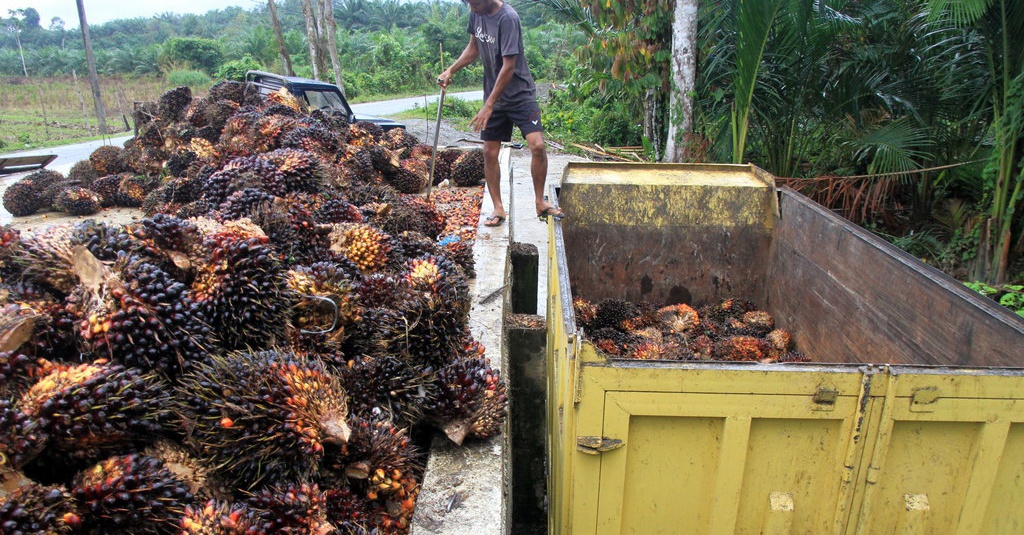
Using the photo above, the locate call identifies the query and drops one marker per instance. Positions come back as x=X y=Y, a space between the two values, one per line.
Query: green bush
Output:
x=193 y=79
x=193 y=52
x=235 y=70
x=1010 y=296
x=613 y=126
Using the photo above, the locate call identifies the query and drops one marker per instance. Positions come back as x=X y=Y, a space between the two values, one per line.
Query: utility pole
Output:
x=91 y=61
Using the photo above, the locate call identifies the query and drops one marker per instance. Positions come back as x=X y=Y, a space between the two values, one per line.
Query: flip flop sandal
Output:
x=494 y=221
x=552 y=211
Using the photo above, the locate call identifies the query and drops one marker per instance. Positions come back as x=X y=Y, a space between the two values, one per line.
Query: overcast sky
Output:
x=100 y=11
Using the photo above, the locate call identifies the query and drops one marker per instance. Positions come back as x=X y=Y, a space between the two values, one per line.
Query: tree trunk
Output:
x=684 y=80
x=652 y=129
x=331 y=28
x=312 y=38
x=94 y=80
x=281 y=48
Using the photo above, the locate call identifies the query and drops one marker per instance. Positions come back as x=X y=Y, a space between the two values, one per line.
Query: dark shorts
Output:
x=499 y=126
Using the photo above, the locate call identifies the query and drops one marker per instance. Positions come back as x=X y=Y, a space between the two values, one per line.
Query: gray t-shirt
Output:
x=500 y=35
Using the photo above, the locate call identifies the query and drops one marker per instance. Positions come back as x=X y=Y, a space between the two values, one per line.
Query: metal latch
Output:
x=825 y=398
x=923 y=399
x=596 y=445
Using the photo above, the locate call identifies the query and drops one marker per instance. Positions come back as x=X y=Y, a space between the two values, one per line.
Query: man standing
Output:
x=510 y=98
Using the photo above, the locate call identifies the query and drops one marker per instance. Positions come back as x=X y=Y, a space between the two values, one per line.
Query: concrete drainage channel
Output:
x=497 y=486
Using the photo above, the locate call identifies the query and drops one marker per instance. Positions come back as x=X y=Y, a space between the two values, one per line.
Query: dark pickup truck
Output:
x=315 y=94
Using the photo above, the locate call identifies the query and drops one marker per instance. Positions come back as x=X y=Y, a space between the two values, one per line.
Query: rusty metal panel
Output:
x=848 y=296
x=667 y=233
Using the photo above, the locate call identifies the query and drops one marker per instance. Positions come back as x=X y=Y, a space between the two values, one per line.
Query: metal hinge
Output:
x=825 y=398
x=596 y=445
x=923 y=399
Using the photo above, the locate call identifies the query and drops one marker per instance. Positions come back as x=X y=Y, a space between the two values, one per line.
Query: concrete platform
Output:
x=465 y=488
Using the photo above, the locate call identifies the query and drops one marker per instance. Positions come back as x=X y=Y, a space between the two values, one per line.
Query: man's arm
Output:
x=468 y=56
x=508 y=69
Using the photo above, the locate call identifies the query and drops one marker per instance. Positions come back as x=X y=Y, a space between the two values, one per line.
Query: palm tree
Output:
x=998 y=29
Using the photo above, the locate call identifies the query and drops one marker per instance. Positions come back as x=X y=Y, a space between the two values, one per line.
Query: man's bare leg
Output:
x=492 y=176
x=538 y=169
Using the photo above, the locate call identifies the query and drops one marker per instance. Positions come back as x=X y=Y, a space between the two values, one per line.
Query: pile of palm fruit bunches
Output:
x=732 y=329
x=259 y=353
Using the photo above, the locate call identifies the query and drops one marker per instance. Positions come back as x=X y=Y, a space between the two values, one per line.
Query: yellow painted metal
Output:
x=660 y=195
x=747 y=448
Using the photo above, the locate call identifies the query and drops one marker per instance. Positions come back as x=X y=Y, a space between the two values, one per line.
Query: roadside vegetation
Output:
x=902 y=116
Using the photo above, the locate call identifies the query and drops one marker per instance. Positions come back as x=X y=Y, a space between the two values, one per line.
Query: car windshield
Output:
x=323 y=99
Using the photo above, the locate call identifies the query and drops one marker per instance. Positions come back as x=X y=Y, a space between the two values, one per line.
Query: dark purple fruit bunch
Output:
x=88 y=409
x=262 y=416
x=129 y=494
x=38 y=509
x=471 y=398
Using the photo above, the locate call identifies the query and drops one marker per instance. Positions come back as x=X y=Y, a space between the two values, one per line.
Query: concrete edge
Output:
x=464 y=487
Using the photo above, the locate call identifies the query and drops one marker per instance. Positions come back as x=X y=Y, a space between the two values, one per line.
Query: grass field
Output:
x=45 y=112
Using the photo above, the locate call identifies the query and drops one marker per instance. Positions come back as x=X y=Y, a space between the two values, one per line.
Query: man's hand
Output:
x=444 y=78
x=479 y=121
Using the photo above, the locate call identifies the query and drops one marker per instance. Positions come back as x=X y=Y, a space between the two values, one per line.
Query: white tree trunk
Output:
x=684 y=79
x=330 y=28
x=279 y=35
x=312 y=37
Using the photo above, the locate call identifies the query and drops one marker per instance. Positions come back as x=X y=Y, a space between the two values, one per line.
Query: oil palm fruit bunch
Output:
x=132 y=190
x=313 y=138
x=78 y=201
x=38 y=509
x=19 y=371
x=107 y=187
x=471 y=399
x=217 y=517
x=382 y=466
x=438 y=311
x=173 y=103
x=239 y=173
x=88 y=409
x=414 y=213
x=612 y=312
x=337 y=210
x=363 y=244
x=399 y=140
x=139 y=315
x=21 y=437
x=82 y=172
x=197 y=476
x=410 y=176
x=382 y=331
x=297 y=171
x=443 y=164
x=241 y=135
x=109 y=160
x=290 y=509
x=468 y=168
x=129 y=494
x=389 y=384
x=47 y=257
x=262 y=416
x=351 y=512
x=241 y=290
x=289 y=224
x=367 y=128
x=23 y=198
x=410 y=244
x=243 y=203
x=328 y=304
